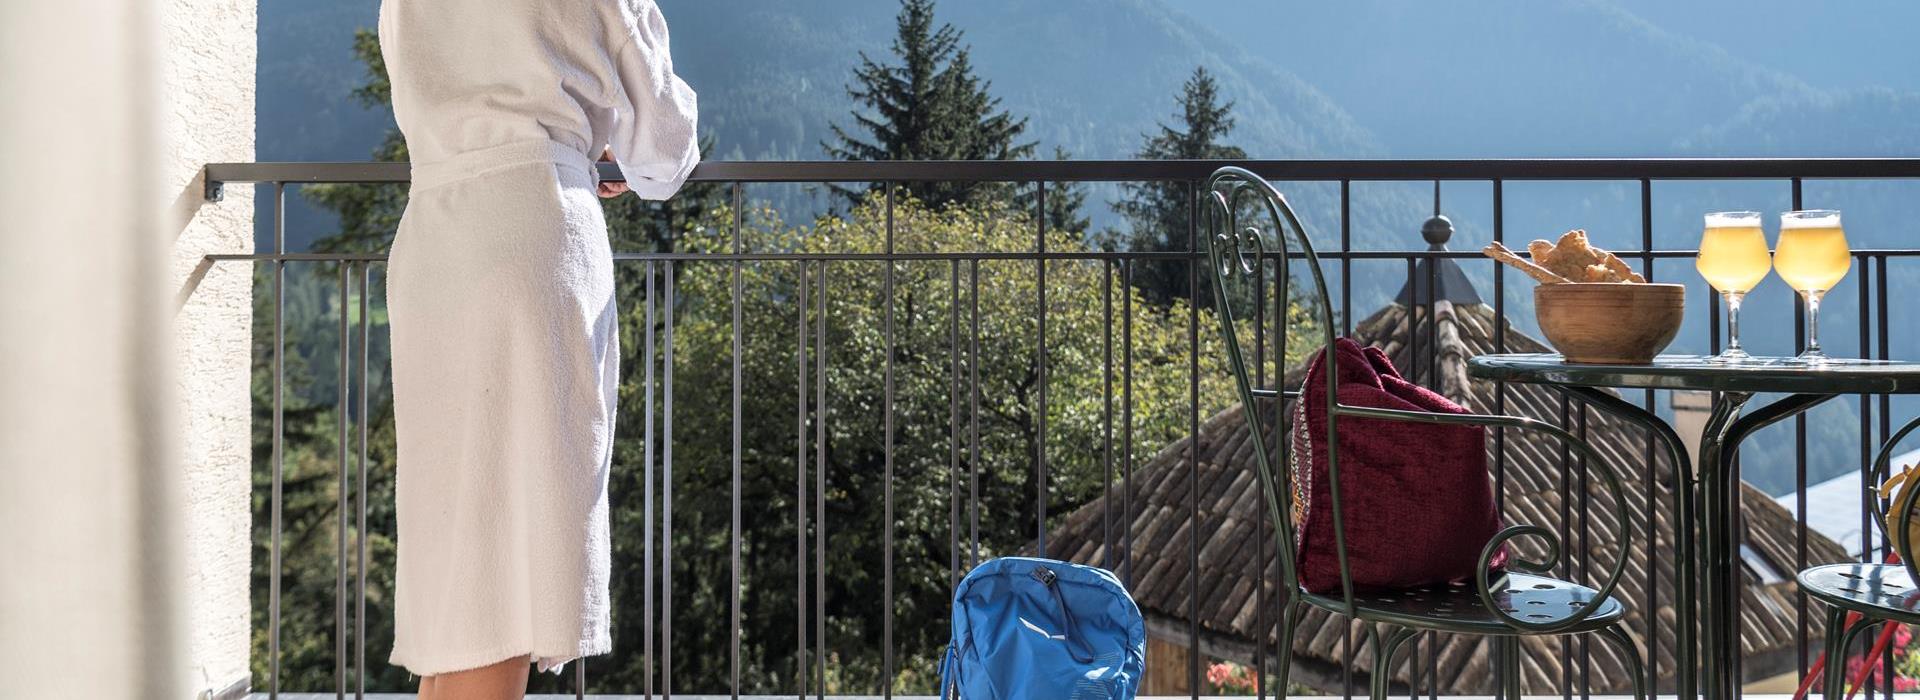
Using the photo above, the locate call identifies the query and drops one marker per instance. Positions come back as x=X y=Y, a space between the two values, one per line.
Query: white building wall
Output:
x=207 y=78
x=91 y=595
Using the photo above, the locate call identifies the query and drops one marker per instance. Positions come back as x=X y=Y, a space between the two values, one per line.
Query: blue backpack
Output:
x=1039 y=629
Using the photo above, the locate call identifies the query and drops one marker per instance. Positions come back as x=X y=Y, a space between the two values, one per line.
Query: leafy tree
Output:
x=922 y=354
x=929 y=106
x=1157 y=212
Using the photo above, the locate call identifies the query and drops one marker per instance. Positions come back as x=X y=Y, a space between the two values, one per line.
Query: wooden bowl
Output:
x=1610 y=323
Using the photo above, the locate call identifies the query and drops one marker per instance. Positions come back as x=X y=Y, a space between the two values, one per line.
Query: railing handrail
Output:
x=1137 y=170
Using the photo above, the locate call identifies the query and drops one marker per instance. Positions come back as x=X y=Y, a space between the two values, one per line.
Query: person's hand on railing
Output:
x=609 y=190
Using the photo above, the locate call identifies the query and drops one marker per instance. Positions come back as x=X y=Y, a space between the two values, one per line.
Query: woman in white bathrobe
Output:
x=500 y=292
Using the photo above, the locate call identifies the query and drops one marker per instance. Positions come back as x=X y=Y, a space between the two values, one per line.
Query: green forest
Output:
x=920 y=102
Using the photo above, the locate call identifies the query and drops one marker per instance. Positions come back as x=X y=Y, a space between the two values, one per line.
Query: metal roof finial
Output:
x=1439 y=229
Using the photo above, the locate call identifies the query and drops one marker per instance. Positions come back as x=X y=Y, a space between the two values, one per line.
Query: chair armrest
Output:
x=1609 y=479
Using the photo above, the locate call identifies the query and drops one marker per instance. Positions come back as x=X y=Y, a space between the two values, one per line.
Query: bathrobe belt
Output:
x=477 y=163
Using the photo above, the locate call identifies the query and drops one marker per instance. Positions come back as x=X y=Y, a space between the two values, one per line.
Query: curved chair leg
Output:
x=1386 y=644
x=1835 y=680
x=1623 y=643
x=1837 y=645
x=1289 y=618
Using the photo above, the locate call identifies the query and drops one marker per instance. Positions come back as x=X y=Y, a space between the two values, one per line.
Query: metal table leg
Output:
x=1720 y=524
x=1686 y=573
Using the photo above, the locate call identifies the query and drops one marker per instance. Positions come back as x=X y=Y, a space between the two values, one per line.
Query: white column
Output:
x=206 y=62
x=90 y=601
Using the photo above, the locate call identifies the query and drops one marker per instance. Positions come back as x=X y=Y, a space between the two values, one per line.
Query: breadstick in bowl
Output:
x=1506 y=255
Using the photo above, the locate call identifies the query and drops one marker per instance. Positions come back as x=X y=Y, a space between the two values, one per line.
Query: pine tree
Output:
x=1157 y=212
x=1065 y=201
x=928 y=106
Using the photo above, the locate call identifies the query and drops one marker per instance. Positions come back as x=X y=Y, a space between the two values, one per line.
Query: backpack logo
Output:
x=1042 y=632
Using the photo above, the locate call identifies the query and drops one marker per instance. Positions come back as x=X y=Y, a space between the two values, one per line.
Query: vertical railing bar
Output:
x=360 y=537
x=342 y=399
x=1347 y=659
x=800 y=488
x=1413 y=668
x=1586 y=555
x=973 y=392
x=1040 y=424
x=1193 y=442
x=886 y=564
x=1499 y=345
x=1346 y=261
x=279 y=434
x=953 y=424
x=1712 y=302
x=1500 y=387
x=1260 y=380
x=1566 y=535
x=1649 y=480
x=1126 y=420
x=734 y=536
x=1886 y=401
x=666 y=486
x=1346 y=246
x=1106 y=415
x=1433 y=307
x=1432 y=642
x=1413 y=323
x=820 y=489
x=1800 y=500
x=646 y=490
x=1867 y=442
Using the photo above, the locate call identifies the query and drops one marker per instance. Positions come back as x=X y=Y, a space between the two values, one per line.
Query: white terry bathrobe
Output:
x=500 y=294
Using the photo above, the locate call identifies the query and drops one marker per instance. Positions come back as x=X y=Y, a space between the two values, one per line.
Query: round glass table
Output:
x=1717 y=557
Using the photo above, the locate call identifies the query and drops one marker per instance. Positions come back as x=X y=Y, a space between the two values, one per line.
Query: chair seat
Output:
x=1879 y=590
x=1457 y=607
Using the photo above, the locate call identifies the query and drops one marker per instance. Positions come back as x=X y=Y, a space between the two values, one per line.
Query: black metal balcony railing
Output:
x=1877 y=321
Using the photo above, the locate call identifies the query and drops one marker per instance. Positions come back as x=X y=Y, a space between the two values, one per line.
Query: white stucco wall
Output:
x=207 y=67
x=90 y=592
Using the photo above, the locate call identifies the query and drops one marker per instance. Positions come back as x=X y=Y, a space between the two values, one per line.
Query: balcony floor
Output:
x=909 y=697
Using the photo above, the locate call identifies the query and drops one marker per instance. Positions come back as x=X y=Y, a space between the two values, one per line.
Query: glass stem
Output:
x=1733 y=318
x=1813 y=320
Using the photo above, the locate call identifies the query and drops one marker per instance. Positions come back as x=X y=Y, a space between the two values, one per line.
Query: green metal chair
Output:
x=1881 y=593
x=1524 y=601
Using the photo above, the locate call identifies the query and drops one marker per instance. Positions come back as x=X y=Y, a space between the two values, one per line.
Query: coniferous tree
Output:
x=928 y=106
x=1065 y=201
x=1157 y=212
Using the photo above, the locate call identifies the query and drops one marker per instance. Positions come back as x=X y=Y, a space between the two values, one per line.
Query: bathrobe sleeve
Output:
x=656 y=136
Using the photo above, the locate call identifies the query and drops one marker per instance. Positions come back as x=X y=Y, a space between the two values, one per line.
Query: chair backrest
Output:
x=1237 y=259
x=1237 y=255
x=1894 y=517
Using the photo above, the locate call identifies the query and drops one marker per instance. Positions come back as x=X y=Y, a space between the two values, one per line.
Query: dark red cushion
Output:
x=1416 y=497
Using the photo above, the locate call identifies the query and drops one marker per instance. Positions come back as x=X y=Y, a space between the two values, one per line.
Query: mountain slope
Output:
x=1511 y=78
x=773 y=76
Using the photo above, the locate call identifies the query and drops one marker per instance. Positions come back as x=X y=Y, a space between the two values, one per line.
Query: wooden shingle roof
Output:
x=1156 y=560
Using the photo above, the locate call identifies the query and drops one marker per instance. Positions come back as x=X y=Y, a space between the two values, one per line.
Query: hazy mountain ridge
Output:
x=1864 y=122
x=1112 y=69
x=1438 y=82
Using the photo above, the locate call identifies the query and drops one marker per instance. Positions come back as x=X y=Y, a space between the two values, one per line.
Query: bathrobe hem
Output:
x=547 y=660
